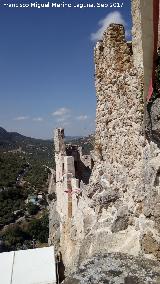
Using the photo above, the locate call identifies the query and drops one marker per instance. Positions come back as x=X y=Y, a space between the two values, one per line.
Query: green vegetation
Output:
x=32 y=208
x=38 y=229
x=31 y=171
x=22 y=236
x=41 y=152
x=14 y=237
x=11 y=200
x=24 y=171
x=10 y=166
x=37 y=176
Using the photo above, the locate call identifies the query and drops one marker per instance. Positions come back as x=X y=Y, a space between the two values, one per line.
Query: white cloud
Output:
x=82 y=117
x=62 y=116
x=21 y=118
x=61 y=111
x=61 y=119
x=38 y=119
x=111 y=18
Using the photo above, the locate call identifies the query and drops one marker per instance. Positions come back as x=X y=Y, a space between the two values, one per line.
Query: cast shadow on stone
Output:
x=85 y=173
x=60 y=268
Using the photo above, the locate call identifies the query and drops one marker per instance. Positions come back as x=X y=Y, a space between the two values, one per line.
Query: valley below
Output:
x=25 y=171
x=27 y=175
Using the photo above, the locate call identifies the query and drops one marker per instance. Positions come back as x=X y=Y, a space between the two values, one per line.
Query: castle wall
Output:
x=126 y=163
x=85 y=159
x=118 y=211
x=65 y=177
x=69 y=165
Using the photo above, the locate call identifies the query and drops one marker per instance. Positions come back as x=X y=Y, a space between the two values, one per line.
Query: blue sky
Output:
x=47 y=66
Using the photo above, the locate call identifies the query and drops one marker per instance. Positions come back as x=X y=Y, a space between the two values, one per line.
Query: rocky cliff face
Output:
x=119 y=211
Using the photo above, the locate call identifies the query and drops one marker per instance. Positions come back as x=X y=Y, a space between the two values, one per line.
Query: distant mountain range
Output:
x=38 y=149
x=14 y=136
x=32 y=149
x=70 y=138
x=5 y=135
x=14 y=139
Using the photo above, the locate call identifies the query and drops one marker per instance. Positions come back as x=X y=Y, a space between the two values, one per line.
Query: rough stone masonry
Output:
x=119 y=211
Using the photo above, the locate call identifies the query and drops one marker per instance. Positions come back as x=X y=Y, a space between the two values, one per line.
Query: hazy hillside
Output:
x=33 y=149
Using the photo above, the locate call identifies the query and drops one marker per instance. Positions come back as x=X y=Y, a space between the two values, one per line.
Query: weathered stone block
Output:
x=150 y=245
x=121 y=223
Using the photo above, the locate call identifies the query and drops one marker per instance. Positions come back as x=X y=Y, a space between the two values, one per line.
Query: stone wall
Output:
x=137 y=35
x=119 y=210
x=117 y=177
x=119 y=120
x=123 y=181
x=70 y=164
x=85 y=159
